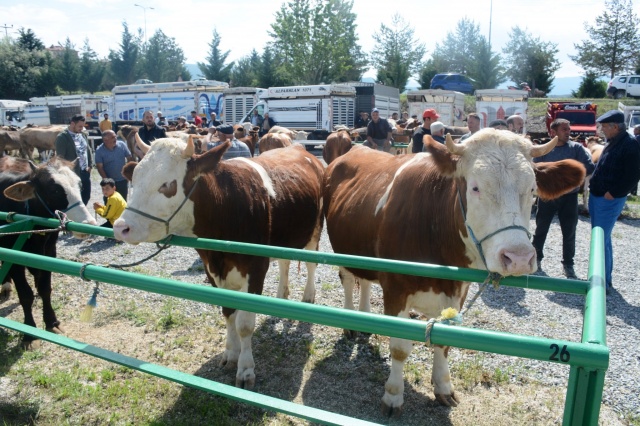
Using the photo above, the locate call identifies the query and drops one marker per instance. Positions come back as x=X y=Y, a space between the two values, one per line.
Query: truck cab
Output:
x=12 y=112
x=581 y=115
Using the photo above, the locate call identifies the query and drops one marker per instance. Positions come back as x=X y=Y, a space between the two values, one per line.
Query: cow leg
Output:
x=26 y=298
x=441 y=378
x=43 y=284
x=5 y=292
x=245 y=324
x=365 y=295
x=348 y=283
x=393 y=398
x=232 y=345
x=309 y=295
x=283 y=287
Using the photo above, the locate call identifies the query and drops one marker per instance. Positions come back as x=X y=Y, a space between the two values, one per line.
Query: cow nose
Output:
x=120 y=230
x=517 y=262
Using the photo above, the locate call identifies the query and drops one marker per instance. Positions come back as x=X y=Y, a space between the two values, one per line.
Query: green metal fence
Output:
x=588 y=359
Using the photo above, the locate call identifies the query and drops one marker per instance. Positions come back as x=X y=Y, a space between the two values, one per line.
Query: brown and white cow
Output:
x=42 y=138
x=38 y=191
x=368 y=193
x=273 y=199
x=595 y=147
x=338 y=143
x=274 y=141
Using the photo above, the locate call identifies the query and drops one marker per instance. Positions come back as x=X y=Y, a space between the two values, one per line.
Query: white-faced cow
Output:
x=338 y=143
x=490 y=179
x=38 y=191
x=273 y=199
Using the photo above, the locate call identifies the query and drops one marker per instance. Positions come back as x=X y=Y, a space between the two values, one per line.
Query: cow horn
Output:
x=453 y=147
x=540 y=150
x=141 y=145
x=190 y=149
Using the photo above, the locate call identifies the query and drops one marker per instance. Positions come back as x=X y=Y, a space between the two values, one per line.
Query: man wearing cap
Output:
x=378 y=132
x=566 y=207
x=515 y=123
x=214 y=120
x=616 y=174
x=237 y=148
x=499 y=125
x=160 y=119
x=437 y=131
x=428 y=116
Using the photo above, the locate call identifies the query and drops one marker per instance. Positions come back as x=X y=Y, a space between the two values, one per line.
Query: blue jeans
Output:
x=604 y=214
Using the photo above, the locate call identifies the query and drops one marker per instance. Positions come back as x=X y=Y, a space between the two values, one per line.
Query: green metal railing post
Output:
x=586 y=385
x=20 y=226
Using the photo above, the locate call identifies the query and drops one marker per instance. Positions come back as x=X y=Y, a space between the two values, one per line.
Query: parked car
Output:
x=143 y=81
x=624 y=85
x=452 y=81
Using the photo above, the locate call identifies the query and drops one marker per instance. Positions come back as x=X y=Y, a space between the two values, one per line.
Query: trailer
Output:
x=238 y=101
x=631 y=116
x=174 y=99
x=12 y=112
x=448 y=103
x=581 y=116
x=48 y=110
x=314 y=109
x=499 y=104
x=373 y=95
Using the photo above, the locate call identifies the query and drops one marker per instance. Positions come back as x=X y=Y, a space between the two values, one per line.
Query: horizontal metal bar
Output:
x=216 y=388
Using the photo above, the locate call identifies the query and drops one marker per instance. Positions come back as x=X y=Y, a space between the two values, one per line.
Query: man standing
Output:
x=566 y=206
x=72 y=143
x=237 y=149
x=160 y=120
x=196 y=119
x=437 y=131
x=473 y=123
x=428 y=116
x=105 y=124
x=267 y=124
x=111 y=157
x=617 y=173
x=214 y=120
x=256 y=119
x=378 y=132
x=150 y=131
x=515 y=123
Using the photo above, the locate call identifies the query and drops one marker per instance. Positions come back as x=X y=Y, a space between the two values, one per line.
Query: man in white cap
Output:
x=160 y=120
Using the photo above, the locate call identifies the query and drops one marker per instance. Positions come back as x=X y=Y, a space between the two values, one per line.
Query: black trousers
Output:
x=567 y=209
x=85 y=190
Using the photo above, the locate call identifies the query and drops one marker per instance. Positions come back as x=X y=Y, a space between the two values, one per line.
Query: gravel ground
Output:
x=516 y=310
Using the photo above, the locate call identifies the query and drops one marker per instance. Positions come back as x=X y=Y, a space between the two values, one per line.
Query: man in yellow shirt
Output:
x=106 y=124
x=115 y=203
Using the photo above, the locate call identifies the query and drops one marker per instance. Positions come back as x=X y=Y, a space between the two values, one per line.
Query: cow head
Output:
x=163 y=181
x=56 y=186
x=498 y=181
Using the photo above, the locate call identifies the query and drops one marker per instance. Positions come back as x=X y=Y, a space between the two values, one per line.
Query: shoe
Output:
x=569 y=272
x=540 y=272
x=609 y=289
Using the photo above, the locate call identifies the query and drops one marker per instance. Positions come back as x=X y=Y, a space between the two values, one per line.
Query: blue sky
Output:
x=244 y=24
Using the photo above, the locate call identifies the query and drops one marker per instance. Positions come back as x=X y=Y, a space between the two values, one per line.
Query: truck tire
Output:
x=619 y=94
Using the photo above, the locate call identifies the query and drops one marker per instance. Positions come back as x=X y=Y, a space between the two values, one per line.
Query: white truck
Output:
x=238 y=101
x=631 y=116
x=47 y=110
x=314 y=109
x=499 y=104
x=448 y=104
x=12 y=112
x=174 y=99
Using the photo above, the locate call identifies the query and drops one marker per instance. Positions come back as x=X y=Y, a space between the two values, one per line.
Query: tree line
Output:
x=314 y=42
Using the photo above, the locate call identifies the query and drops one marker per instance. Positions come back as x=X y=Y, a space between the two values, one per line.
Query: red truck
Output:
x=581 y=115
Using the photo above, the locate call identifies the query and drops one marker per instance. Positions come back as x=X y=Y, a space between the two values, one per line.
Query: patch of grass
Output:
x=328 y=286
x=130 y=311
x=633 y=419
x=23 y=413
x=169 y=317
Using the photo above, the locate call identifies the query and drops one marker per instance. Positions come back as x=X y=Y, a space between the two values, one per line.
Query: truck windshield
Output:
x=578 y=117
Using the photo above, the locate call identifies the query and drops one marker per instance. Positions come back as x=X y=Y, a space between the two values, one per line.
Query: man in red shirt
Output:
x=196 y=119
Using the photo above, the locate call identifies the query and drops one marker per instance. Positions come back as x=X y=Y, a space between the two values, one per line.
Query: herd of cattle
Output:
x=465 y=205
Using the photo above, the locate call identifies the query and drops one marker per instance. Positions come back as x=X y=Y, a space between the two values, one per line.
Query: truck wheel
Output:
x=619 y=94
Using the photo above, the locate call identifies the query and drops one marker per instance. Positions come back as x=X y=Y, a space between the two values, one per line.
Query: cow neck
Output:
x=478 y=243
x=76 y=204
x=167 y=221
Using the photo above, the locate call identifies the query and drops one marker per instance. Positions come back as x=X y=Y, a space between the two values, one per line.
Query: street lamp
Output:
x=144 y=9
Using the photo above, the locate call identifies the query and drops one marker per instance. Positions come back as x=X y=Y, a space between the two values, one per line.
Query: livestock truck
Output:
x=12 y=112
x=314 y=109
x=174 y=99
x=500 y=104
x=47 y=110
x=372 y=95
x=631 y=116
x=581 y=115
x=449 y=105
x=237 y=102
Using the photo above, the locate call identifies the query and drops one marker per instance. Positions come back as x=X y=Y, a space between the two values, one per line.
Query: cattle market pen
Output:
x=588 y=360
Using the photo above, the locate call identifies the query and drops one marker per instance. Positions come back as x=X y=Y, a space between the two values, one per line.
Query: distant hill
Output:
x=194 y=70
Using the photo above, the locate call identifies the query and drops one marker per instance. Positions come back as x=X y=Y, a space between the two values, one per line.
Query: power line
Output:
x=6 y=29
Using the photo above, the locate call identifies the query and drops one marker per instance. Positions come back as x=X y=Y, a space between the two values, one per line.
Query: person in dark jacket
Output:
x=150 y=131
x=616 y=174
x=73 y=143
x=428 y=116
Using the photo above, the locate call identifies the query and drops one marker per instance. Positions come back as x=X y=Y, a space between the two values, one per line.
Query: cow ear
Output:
x=21 y=191
x=558 y=178
x=442 y=157
x=127 y=170
x=209 y=161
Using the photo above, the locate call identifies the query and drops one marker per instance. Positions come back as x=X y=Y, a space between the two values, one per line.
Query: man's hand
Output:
x=608 y=196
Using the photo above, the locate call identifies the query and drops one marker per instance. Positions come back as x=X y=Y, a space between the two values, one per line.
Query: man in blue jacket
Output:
x=616 y=174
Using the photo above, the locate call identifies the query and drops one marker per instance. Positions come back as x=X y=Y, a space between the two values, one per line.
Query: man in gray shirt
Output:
x=237 y=149
x=566 y=206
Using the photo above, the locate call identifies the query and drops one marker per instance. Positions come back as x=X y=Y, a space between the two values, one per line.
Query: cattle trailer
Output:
x=588 y=360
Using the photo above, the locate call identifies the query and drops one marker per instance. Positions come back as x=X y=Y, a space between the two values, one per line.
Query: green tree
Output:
x=397 y=54
x=163 y=59
x=267 y=72
x=27 y=40
x=613 y=42
x=68 y=68
x=315 y=42
x=215 y=68
x=529 y=59
x=591 y=87
x=24 y=73
x=487 y=70
x=92 y=70
x=124 y=61
x=243 y=73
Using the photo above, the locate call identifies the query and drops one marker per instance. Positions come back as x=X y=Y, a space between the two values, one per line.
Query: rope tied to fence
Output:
x=61 y=216
x=165 y=245
x=451 y=316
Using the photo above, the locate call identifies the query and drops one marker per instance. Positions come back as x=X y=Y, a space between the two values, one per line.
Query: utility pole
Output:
x=6 y=29
x=144 y=8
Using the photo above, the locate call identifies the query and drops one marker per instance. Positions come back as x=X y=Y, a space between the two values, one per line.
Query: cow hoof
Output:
x=5 y=292
x=246 y=380
x=311 y=300
x=389 y=411
x=350 y=334
x=229 y=365
x=31 y=345
x=448 y=400
x=56 y=329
